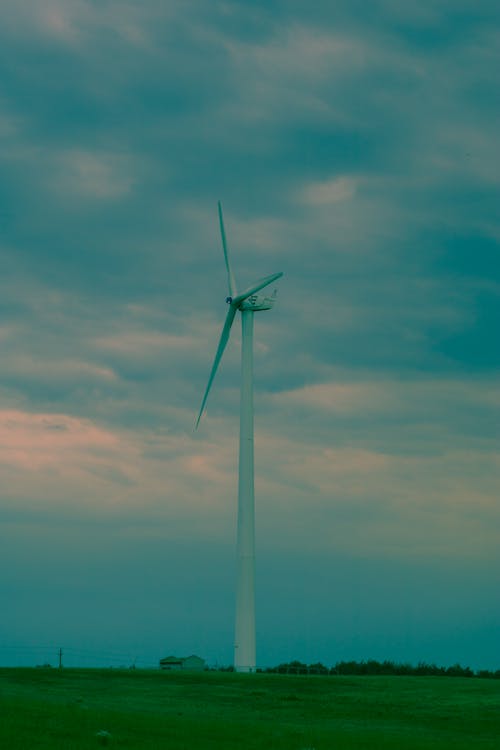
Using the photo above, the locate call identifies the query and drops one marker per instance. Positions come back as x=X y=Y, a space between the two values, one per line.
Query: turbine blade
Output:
x=256 y=287
x=220 y=350
x=230 y=278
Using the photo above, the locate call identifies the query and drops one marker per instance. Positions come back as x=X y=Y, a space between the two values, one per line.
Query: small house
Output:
x=191 y=663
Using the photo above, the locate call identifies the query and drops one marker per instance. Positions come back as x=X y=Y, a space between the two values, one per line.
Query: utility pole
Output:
x=60 y=658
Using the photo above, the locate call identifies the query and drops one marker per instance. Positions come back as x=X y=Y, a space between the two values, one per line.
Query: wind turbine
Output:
x=247 y=302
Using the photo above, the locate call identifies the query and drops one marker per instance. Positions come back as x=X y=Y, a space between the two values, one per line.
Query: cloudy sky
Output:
x=354 y=147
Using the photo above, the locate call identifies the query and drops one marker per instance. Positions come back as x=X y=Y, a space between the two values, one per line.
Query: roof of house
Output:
x=179 y=659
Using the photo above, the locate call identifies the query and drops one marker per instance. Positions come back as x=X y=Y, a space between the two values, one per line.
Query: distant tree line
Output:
x=373 y=667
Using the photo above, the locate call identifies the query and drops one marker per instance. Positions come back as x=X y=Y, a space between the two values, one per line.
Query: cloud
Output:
x=9 y=124
x=47 y=370
x=86 y=470
x=368 y=502
x=394 y=396
x=138 y=343
x=98 y=175
x=72 y=22
x=59 y=442
x=330 y=191
x=299 y=54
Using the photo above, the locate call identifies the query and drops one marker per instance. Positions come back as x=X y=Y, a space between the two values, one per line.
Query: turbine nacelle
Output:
x=258 y=302
x=255 y=302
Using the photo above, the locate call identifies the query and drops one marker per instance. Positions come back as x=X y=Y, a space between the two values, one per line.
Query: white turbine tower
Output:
x=247 y=302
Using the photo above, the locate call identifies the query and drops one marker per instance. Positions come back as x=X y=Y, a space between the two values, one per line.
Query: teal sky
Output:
x=355 y=148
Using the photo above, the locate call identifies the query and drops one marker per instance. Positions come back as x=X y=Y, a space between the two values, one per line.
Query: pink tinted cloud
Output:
x=59 y=460
x=35 y=441
x=206 y=468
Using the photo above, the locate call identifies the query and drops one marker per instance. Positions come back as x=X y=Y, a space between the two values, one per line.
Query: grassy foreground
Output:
x=64 y=710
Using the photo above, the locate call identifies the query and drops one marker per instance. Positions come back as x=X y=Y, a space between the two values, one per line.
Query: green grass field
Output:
x=65 y=709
